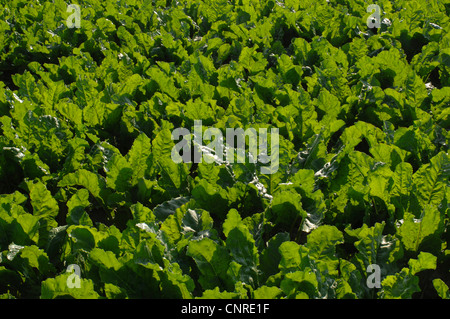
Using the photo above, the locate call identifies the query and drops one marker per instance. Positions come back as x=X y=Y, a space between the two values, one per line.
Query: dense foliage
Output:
x=86 y=176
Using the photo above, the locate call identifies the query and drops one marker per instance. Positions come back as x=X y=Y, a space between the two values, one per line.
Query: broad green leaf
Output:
x=293 y=257
x=286 y=209
x=33 y=263
x=162 y=211
x=18 y=226
x=423 y=231
x=171 y=228
x=76 y=205
x=137 y=157
x=233 y=220
x=329 y=105
x=57 y=288
x=118 y=173
x=375 y=248
x=304 y=180
x=94 y=183
x=81 y=237
x=114 y=292
x=265 y=292
x=44 y=205
x=104 y=259
x=164 y=82
x=211 y=197
x=241 y=245
x=252 y=60
x=300 y=281
x=197 y=221
x=217 y=294
x=55 y=245
x=321 y=243
x=344 y=290
x=441 y=288
x=212 y=260
x=71 y=111
x=174 y=284
x=399 y=286
x=423 y=262
x=431 y=180
x=401 y=185
x=142 y=214
x=150 y=250
x=270 y=257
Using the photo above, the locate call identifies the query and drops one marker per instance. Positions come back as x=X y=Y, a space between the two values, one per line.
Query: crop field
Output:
x=240 y=149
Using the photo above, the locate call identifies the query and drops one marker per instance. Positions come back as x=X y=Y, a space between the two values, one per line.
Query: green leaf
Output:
x=304 y=180
x=375 y=248
x=286 y=209
x=401 y=185
x=174 y=284
x=399 y=286
x=300 y=281
x=265 y=292
x=344 y=290
x=105 y=259
x=252 y=60
x=415 y=89
x=114 y=292
x=76 y=205
x=94 y=183
x=423 y=262
x=142 y=214
x=441 y=288
x=211 y=197
x=18 y=226
x=212 y=260
x=162 y=211
x=71 y=111
x=118 y=173
x=217 y=294
x=164 y=82
x=81 y=238
x=431 y=180
x=322 y=243
x=57 y=237
x=270 y=257
x=32 y=257
x=171 y=228
x=232 y=221
x=44 y=205
x=329 y=106
x=138 y=156
x=423 y=231
x=293 y=257
x=197 y=221
x=150 y=250
x=241 y=245
x=57 y=288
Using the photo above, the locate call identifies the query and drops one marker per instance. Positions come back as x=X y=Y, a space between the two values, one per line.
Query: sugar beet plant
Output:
x=93 y=205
